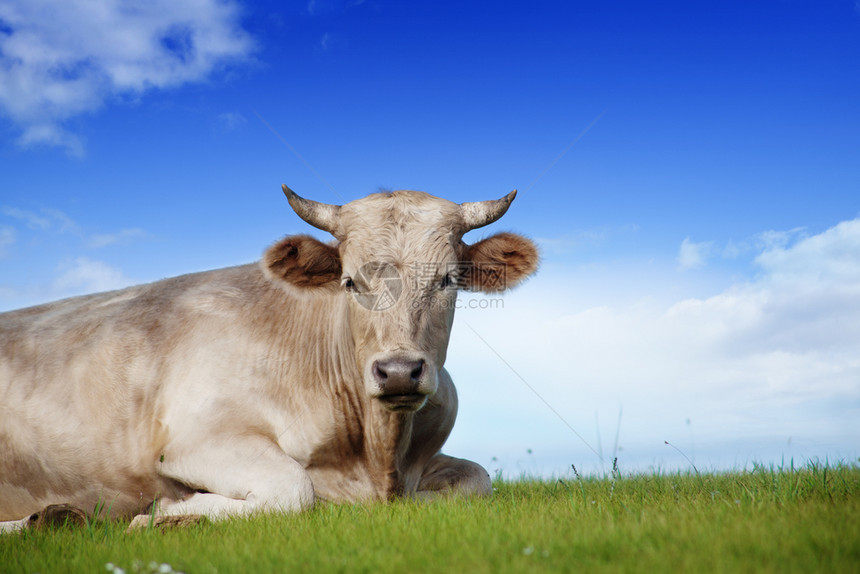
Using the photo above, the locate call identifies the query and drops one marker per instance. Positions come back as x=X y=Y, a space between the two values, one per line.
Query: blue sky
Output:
x=690 y=170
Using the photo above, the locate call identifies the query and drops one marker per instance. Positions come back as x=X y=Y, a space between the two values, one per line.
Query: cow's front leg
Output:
x=439 y=473
x=233 y=476
x=446 y=475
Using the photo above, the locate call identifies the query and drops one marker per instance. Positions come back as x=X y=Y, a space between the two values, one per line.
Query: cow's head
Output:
x=399 y=260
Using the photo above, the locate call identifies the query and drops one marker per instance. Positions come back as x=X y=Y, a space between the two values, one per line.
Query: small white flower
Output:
x=109 y=566
x=165 y=568
x=528 y=550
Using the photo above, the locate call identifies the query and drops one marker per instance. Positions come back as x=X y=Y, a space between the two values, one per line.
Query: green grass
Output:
x=764 y=520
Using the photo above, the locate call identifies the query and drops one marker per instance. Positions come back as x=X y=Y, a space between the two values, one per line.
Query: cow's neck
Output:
x=371 y=437
x=386 y=440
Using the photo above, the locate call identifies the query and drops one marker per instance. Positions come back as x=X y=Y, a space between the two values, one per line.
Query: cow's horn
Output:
x=480 y=213
x=320 y=215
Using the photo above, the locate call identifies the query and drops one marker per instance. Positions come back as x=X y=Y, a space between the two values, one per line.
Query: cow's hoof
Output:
x=57 y=515
x=142 y=521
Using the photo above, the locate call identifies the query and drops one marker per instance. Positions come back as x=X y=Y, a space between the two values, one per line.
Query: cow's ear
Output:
x=500 y=262
x=303 y=262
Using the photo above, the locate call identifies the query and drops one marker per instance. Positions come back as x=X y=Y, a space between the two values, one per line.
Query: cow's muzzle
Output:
x=401 y=383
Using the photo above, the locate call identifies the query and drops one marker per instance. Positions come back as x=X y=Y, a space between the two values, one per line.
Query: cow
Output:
x=315 y=374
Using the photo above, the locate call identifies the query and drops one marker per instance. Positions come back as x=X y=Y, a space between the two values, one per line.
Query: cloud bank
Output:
x=770 y=360
x=63 y=58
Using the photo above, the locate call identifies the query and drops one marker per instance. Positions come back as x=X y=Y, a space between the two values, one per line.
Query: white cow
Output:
x=316 y=373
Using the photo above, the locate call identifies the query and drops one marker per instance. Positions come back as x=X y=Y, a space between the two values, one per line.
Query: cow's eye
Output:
x=348 y=284
x=447 y=282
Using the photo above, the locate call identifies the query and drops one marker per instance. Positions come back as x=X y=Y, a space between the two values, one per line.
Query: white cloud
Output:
x=830 y=257
x=694 y=255
x=85 y=275
x=231 y=121
x=7 y=239
x=324 y=41
x=317 y=7
x=51 y=135
x=124 y=236
x=33 y=220
x=777 y=239
x=761 y=242
x=56 y=221
x=763 y=361
x=63 y=58
x=62 y=222
x=47 y=220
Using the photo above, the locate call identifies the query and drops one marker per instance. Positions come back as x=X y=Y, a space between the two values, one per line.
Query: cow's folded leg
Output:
x=14 y=525
x=52 y=516
x=56 y=515
x=234 y=477
x=446 y=475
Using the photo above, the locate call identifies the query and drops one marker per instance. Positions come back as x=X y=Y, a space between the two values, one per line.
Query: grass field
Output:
x=764 y=520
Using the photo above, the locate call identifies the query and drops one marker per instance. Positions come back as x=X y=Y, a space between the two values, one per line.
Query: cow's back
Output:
x=80 y=391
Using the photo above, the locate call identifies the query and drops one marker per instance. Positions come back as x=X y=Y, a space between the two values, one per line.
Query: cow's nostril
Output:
x=417 y=370
x=379 y=372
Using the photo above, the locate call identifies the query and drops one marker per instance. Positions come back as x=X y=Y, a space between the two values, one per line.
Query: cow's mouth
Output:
x=403 y=402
